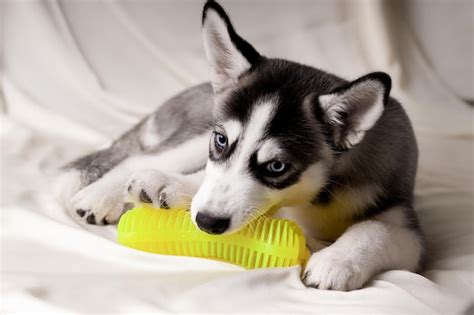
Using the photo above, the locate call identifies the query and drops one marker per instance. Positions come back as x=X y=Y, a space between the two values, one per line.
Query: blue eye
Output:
x=276 y=167
x=220 y=140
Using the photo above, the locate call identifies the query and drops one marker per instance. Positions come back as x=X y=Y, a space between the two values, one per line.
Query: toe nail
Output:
x=129 y=189
x=305 y=276
x=144 y=197
x=162 y=200
x=80 y=212
x=104 y=221
x=91 y=219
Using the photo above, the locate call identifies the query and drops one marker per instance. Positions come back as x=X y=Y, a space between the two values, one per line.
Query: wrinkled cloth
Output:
x=76 y=74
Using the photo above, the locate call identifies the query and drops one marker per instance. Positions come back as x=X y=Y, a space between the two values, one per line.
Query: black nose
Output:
x=212 y=225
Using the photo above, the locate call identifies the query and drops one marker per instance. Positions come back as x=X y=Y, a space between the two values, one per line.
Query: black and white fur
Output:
x=339 y=157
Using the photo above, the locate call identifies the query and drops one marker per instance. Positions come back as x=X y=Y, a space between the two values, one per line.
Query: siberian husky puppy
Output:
x=340 y=157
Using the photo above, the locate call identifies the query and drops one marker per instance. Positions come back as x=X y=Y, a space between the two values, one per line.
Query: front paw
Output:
x=97 y=204
x=331 y=269
x=158 y=189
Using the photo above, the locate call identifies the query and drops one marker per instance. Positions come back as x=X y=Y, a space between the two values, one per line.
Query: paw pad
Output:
x=91 y=219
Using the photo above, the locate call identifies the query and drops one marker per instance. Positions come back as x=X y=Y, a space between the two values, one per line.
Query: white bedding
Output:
x=76 y=74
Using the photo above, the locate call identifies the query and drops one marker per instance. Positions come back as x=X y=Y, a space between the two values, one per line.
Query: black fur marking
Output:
x=290 y=177
x=386 y=203
x=326 y=194
x=247 y=50
x=290 y=82
x=383 y=204
x=295 y=131
x=324 y=197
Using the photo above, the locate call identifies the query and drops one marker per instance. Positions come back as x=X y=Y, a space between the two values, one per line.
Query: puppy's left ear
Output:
x=229 y=55
x=353 y=109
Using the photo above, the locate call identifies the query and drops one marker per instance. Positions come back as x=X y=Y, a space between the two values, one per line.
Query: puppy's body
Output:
x=339 y=157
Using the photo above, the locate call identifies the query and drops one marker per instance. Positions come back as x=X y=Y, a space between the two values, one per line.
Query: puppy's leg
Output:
x=86 y=170
x=183 y=117
x=104 y=200
x=83 y=172
x=385 y=242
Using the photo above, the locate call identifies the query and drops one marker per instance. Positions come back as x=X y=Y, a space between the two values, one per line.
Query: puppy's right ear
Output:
x=229 y=54
x=353 y=109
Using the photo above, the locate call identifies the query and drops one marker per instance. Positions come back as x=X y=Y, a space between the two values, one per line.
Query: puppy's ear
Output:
x=229 y=54
x=353 y=109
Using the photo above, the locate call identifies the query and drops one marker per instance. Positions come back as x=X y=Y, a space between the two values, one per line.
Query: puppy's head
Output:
x=278 y=128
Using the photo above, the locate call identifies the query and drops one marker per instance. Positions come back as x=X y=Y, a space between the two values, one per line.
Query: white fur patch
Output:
x=188 y=156
x=233 y=128
x=395 y=216
x=269 y=150
x=310 y=182
x=364 y=250
x=255 y=128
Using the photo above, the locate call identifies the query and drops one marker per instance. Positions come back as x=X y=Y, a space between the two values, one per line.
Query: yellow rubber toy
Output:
x=264 y=243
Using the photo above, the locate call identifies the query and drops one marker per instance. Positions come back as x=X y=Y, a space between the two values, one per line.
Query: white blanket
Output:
x=76 y=74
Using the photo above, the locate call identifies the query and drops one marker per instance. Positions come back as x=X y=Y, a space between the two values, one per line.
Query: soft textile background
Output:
x=75 y=74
